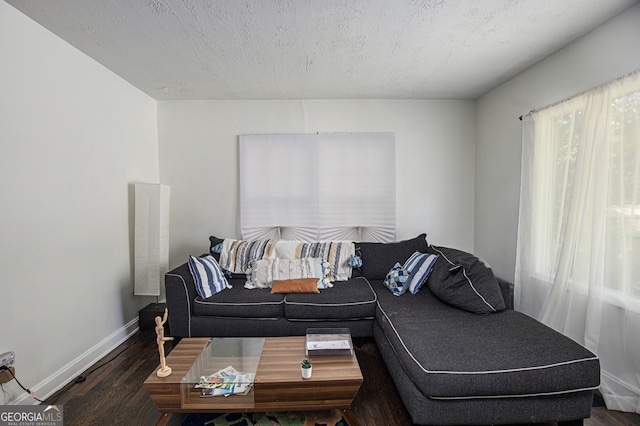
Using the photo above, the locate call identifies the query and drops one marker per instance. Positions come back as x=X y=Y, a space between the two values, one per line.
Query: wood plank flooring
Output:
x=112 y=393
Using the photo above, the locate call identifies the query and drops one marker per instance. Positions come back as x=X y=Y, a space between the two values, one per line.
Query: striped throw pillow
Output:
x=419 y=266
x=236 y=255
x=207 y=275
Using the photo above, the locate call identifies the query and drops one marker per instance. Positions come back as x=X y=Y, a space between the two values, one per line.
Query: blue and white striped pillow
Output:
x=419 y=266
x=207 y=275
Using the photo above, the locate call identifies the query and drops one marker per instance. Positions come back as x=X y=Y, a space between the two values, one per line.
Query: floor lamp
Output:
x=151 y=246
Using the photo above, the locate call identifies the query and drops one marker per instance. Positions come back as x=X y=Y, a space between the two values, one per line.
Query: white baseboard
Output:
x=73 y=369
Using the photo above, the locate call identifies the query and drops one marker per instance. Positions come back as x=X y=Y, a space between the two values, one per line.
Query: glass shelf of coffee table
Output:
x=224 y=373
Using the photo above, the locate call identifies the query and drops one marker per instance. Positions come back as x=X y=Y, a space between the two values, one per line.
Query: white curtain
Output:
x=578 y=250
x=318 y=187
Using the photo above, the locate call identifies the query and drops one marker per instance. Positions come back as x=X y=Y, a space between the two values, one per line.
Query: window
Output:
x=578 y=249
x=623 y=219
x=318 y=187
x=575 y=168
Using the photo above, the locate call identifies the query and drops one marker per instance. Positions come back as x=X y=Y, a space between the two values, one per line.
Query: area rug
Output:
x=307 y=418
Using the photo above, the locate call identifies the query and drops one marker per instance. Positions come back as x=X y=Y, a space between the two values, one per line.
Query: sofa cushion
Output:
x=346 y=300
x=379 y=258
x=451 y=353
x=238 y=302
x=396 y=280
x=207 y=275
x=464 y=281
x=296 y=285
x=419 y=266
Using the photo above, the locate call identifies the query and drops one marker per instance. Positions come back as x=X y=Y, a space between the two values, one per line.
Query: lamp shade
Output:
x=151 y=242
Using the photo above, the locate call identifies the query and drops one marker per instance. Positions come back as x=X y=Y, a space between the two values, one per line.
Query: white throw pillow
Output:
x=335 y=253
x=262 y=273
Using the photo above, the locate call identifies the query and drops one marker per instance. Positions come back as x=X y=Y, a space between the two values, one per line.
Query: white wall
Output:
x=435 y=159
x=73 y=136
x=608 y=52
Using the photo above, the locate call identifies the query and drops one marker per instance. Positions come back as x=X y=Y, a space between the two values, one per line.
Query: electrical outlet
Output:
x=7 y=359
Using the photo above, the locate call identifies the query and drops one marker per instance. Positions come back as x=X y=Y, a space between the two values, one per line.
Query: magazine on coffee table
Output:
x=225 y=382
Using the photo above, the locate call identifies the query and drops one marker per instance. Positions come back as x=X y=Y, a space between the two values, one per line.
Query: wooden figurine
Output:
x=164 y=369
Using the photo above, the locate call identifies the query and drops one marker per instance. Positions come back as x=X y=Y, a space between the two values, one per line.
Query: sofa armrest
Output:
x=507 y=292
x=180 y=293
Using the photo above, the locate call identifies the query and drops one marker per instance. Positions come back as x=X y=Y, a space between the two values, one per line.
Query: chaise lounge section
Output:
x=454 y=367
x=451 y=365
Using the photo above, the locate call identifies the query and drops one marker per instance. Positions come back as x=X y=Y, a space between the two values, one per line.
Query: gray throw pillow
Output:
x=379 y=258
x=214 y=241
x=464 y=281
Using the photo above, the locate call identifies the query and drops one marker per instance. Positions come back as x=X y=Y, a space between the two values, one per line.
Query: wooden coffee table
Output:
x=278 y=384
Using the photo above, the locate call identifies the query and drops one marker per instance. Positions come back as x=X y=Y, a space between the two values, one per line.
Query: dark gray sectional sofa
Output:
x=450 y=366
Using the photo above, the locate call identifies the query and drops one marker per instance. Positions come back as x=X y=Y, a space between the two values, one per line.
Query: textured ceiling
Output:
x=319 y=49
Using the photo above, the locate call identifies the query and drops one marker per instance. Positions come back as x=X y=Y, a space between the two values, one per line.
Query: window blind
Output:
x=318 y=187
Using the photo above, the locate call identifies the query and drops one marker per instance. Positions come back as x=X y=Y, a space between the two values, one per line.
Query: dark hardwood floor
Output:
x=112 y=393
